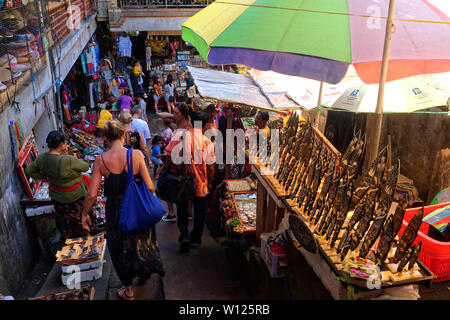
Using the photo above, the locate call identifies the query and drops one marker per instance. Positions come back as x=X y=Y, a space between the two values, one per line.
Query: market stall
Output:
x=237 y=90
x=36 y=203
x=352 y=228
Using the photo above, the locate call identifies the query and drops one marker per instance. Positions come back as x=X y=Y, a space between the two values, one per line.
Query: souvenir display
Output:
x=245 y=208
x=355 y=224
x=81 y=250
x=85 y=293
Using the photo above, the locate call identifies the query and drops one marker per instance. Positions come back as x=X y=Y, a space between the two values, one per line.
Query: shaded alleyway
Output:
x=203 y=273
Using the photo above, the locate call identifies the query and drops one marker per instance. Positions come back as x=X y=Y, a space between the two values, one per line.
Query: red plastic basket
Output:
x=434 y=254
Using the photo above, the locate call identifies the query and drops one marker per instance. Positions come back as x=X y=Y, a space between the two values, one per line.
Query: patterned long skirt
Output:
x=133 y=255
x=68 y=219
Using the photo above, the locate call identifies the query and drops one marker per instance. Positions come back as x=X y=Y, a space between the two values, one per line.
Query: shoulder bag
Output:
x=141 y=210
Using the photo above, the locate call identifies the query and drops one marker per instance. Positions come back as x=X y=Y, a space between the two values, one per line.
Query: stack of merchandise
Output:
x=439 y=218
x=88 y=145
x=82 y=259
x=42 y=193
x=21 y=42
x=85 y=293
x=99 y=209
x=238 y=205
x=408 y=192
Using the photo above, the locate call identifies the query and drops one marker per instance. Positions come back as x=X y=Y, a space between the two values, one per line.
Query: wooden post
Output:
x=270 y=216
x=228 y=165
x=279 y=216
x=261 y=207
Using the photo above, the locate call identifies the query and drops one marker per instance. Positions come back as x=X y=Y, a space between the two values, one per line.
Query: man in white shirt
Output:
x=140 y=125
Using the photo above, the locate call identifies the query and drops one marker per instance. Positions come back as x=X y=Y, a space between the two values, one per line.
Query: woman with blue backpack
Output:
x=134 y=249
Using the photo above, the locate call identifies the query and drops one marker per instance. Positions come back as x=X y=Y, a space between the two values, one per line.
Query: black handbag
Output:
x=175 y=188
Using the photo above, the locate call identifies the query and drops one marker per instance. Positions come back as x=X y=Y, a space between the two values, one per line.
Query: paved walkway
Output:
x=203 y=273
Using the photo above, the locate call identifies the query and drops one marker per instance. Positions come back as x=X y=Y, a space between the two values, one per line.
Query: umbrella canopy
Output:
x=319 y=39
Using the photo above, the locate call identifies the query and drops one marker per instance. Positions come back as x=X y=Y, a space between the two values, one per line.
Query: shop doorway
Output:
x=138 y=48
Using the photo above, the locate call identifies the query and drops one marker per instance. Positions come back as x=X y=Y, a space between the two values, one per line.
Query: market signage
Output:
x=183 y=58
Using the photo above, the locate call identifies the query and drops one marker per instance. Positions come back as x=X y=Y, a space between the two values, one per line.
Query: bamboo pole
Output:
x=375 y=136
x=389 y=154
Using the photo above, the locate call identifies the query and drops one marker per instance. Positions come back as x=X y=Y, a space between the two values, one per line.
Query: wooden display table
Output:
x=270 y=210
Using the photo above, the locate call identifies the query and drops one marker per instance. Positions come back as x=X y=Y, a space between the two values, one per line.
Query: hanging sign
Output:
x=183 y=58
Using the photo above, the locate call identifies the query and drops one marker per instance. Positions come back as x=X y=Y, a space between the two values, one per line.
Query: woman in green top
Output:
x=67 y=187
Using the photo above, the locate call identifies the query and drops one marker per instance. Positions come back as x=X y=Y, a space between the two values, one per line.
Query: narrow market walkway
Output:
x=203 y=273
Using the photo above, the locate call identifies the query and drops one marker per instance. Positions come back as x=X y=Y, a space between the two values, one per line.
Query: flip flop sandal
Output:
x=124 y=295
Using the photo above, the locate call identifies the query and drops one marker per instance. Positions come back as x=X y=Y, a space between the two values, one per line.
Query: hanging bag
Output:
x=141 y=210
x=175 y=188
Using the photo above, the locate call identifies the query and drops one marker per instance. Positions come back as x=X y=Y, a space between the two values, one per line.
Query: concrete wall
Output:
x=422 y=141
x=152 y=19
x=18 y=244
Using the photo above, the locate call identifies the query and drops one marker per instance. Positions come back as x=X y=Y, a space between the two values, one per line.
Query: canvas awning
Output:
x=351 y=94
x=234 y=88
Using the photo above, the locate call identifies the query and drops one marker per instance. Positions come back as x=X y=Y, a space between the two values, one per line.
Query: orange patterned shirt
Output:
x=201 y=154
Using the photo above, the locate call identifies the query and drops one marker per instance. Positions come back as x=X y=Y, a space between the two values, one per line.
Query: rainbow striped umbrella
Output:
x=319 y=39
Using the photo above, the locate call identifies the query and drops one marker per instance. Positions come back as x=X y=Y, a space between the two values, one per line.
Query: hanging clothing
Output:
x=91 y=95
x=124 y=46
x=148 y=58
x=174 y=46
x=113 y=89
x=92 y=60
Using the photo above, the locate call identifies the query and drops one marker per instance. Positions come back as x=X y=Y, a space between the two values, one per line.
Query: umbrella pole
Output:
x=375 y=137
x=319 y=102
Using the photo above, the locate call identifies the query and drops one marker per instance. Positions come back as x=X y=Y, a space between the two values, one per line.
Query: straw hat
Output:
x=7 y=74
x=10 y=60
